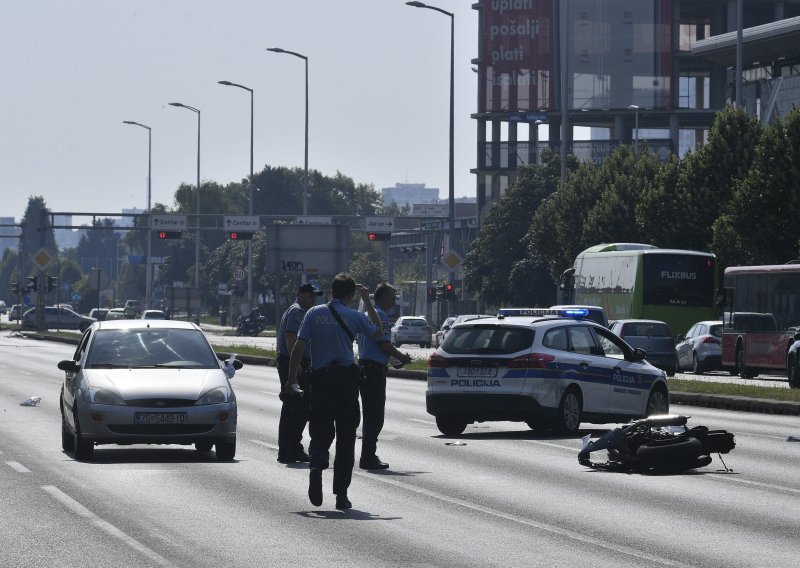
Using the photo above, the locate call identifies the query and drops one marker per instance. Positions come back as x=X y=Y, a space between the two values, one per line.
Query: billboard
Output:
x=619 y=52
x=518 y=55
x=308 y=249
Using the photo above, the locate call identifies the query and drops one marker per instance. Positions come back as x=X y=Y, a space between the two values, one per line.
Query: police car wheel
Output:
x=568 y=419
x=657 y=402
x=451 y=425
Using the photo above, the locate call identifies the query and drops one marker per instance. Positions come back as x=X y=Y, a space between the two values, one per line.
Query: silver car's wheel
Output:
x=67 y=441
x=696 y=368
x=568 y=419
x=793 y=374
x=658 y=402
x=84 y=449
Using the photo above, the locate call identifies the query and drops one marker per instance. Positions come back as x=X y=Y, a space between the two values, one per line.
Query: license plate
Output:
x=477 y=371
x=160 y=418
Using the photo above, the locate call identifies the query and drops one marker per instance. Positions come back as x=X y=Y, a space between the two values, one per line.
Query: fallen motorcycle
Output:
x=660 y=443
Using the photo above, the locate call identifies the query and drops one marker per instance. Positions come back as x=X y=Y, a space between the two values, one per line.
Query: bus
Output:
x=761 y=313
x=639 y=281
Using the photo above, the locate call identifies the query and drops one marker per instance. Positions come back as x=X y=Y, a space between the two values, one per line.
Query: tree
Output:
x=501 y=244
x=759 y=226
x=36 y=233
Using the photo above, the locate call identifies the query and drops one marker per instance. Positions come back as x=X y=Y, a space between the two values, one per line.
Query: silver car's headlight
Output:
x=104 y=396
x=216 y=395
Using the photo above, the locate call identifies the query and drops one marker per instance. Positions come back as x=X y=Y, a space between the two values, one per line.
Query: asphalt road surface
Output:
x=498 y=496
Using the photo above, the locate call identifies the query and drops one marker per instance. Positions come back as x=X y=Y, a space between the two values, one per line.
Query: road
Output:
x=498 y=496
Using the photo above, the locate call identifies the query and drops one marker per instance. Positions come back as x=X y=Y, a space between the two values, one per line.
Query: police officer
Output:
x=329 y=330
x=373 y=358
x=294 y=411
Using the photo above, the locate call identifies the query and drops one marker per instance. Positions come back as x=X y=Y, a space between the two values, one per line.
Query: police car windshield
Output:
x=487 y=340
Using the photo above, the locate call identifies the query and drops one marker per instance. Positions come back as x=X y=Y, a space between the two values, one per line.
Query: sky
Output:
x=378 y=95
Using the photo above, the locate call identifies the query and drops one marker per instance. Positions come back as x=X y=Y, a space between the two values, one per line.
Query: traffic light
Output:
x=379 y=236
x=449 y=291
x=432 y=294
x=32 y=284
x=15 y=288
x=52 y=283
x=169 y=235
x=440 y=293
x=240 y=235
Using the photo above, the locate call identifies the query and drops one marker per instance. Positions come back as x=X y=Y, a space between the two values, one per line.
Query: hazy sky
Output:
x=378 y=95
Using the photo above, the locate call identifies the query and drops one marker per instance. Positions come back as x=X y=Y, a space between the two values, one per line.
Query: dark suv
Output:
x=654 y=337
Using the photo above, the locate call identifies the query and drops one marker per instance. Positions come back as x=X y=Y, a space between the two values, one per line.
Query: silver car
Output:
x=147 y=382
x=57 y=317
x=701 y=349
x=411 y=329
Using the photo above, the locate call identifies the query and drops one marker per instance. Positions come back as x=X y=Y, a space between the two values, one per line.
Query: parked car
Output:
x=154 y=314
x=16 y=311
x=98 y=313
x=468 y=317
x=56 y=318
x=3 y=307
x=154 y=382
x=654 y=337
x=442 y=331
x=548 y=371
x=411 y=329
x=701 y=349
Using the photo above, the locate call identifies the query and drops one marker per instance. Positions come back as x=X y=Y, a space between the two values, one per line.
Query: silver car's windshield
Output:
x=150 y=347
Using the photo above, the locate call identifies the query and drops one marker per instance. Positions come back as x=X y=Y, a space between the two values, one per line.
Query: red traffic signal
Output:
x=169 y=235
x=379 y=236
x=240 y=235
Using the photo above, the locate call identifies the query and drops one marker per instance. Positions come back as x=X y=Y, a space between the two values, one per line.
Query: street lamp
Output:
x=305 y=176
x=636 y=127
x=536 y=140
x=451 y=179
x=250 y=183
x=148 y=287
x=197 y=205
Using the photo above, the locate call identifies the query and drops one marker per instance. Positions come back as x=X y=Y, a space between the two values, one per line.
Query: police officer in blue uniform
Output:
x=329 y=331
x=294 y=410
x=373 y=358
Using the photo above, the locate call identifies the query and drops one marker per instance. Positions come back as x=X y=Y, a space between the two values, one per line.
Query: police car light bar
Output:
x=540 y=312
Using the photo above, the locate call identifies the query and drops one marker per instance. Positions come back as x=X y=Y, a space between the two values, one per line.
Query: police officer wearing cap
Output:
x=294 y=411
x=329 y=331
x=373 y=358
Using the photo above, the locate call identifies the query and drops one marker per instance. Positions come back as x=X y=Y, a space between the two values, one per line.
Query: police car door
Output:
x=628 y=385
x=592 y=372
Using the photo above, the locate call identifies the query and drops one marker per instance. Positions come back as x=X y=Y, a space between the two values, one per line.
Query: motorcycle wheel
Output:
x=673 y=455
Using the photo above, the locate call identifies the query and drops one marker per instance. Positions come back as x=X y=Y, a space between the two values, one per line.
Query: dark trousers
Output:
x=334 y=413
x=294 y=414
x=373 y=402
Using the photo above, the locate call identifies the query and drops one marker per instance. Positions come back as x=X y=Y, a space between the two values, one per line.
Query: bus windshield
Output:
x=678 y=280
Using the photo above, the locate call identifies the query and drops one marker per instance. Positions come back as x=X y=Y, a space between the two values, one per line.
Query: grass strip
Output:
x=732 y=389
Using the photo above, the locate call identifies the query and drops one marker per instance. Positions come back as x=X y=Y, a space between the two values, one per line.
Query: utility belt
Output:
x=337 y=371
x=370 y=364
x=305 y=364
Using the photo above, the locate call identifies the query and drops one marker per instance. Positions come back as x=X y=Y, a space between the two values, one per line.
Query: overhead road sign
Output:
x=169 y=222
x=314 y=220
x=238 y=223
x=379 y=224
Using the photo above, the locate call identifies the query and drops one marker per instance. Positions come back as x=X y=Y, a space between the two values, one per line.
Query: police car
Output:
x=549 y=368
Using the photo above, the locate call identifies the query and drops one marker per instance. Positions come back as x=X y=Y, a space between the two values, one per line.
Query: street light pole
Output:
x=305 y=176
x=451 y=229
x=250 y=204
x=149 y=275
x=197 y=207
x=636 y=128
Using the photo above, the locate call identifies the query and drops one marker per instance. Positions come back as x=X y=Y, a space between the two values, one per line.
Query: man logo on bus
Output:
x=666 y=274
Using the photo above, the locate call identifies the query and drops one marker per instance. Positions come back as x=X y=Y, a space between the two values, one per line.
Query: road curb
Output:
x=741 y=403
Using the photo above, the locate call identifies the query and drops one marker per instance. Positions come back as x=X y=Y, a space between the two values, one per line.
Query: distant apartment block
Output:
x=407 y=194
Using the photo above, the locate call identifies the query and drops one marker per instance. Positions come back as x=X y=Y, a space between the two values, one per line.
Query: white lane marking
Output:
x=553 y=529
x=757 y=484
x=265 y=444
x=539 y=442
x=18 y=467
x=105 y=526
x=423 y=421
x=761 y=436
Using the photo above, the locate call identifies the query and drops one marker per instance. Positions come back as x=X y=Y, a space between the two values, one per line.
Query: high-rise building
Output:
x=629 y=70
x=407 y=194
